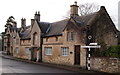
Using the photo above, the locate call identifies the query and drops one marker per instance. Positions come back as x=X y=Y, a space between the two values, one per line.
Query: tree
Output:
x=84 y=9
x=88 y=8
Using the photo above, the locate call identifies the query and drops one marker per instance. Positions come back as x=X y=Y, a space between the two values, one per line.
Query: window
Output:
x=17 y=50
x=71 y=36
x=35 y=38
x=65 y=51
x=27 y=50
x=48 y=51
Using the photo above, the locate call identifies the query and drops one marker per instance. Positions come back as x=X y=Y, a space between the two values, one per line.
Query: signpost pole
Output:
x=94 y=45
x=88 y=59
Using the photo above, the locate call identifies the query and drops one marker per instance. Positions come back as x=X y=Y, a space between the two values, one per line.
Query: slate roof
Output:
x=85 y=19
x=12 y=28
x=26 y=34
x=58 y=27
x=44 y=26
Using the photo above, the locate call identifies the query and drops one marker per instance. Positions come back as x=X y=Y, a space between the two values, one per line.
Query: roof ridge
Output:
x=61 y=20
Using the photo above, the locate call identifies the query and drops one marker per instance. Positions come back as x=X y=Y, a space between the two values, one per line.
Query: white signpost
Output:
x=91 y=45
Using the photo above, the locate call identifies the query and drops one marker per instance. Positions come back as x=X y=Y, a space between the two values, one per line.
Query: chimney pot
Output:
x=37 y=16
x=23 y=22
x=75 y=2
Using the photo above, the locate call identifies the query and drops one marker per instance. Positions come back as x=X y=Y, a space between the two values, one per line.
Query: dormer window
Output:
x=71 y=36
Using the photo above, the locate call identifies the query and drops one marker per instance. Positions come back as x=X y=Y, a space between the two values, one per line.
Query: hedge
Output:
x=113 y=51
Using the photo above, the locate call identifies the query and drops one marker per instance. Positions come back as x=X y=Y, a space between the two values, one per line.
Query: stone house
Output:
x=14 y=42
x=59 y=42
x=62 y=44
x=7 y=35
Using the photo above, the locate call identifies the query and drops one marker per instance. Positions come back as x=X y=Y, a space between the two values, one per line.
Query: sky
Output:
x=50 y=10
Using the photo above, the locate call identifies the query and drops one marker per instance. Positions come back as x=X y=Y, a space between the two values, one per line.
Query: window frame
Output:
x=64 y=50
x=71 y=36
x=17 y=50
x=27 y=52
x=48 y=51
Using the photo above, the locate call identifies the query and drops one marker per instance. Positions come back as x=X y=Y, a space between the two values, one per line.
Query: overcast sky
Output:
x=51 y=10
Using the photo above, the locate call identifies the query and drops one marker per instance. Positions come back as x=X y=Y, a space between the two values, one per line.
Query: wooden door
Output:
x=77 y=55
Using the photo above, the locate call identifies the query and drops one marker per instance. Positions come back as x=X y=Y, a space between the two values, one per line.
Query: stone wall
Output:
x=111 y=65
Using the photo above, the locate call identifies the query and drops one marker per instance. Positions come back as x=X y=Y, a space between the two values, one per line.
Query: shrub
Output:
x=113 y=51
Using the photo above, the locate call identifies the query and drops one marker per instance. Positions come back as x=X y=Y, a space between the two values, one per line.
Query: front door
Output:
x=35 y=54
x=77 y=55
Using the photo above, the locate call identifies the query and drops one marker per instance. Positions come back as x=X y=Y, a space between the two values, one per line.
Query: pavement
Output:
x=75 y=69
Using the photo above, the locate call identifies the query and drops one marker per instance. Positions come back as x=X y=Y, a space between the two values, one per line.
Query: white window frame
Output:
x=27 y=50
x=65 y=51
x=71 y=36
x=17 y=50
x=48 y=50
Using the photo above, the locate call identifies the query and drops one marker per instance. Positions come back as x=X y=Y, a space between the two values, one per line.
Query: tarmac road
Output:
x=12 y=66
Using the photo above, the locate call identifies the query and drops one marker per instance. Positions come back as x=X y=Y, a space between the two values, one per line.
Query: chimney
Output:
x=74 y=10
x=23 y=22
x=37 y=16
x=32 y=21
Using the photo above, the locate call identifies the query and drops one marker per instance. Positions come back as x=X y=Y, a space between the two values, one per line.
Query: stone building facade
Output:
x=59 y=42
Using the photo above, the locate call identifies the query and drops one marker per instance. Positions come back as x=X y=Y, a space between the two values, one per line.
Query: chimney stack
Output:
x=74 y=10
x=32 y=21
x=23 y=22
x=37 y=16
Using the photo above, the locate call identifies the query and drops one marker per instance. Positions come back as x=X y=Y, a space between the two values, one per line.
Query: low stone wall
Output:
x=111 y=65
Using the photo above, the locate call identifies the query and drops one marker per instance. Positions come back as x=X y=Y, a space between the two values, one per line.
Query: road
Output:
x=12 y=66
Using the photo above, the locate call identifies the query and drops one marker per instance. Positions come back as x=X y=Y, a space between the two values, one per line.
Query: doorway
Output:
x=77 y=55
x=35 y=54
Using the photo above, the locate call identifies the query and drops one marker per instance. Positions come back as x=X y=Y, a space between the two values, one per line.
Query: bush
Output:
x=113 y=51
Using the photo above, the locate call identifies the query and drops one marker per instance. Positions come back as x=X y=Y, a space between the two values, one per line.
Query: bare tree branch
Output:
x=88 y=8
x=84 y=9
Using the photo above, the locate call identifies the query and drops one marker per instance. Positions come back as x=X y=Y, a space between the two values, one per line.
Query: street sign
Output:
x=93 y=44
x=90 y=46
